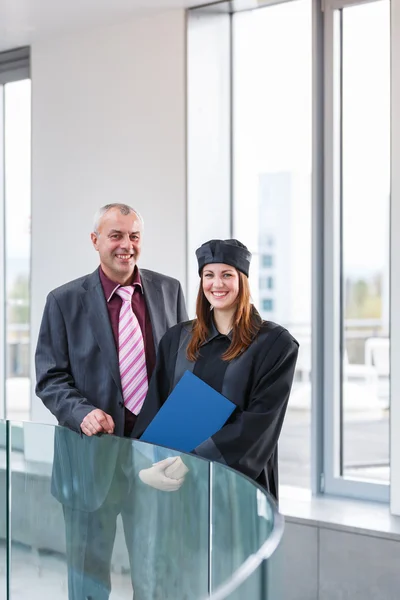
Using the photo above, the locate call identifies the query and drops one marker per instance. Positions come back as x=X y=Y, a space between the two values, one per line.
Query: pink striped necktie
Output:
x=132 y=359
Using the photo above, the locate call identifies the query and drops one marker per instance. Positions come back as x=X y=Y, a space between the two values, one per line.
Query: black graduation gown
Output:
x=258 y=382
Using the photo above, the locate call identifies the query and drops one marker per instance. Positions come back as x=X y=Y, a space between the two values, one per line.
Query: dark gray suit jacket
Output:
x=77 y=370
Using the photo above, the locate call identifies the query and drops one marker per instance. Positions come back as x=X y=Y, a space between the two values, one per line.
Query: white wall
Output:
x=108 y=124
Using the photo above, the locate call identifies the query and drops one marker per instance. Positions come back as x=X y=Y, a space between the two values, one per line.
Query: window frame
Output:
x=331 y=481
x=326 y=263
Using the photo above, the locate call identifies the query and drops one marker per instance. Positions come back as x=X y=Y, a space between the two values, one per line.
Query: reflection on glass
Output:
x=272 y=191
x=365 y=251
x=77 y=500
x=85 y=519
x=17 y=127
x=242 y=520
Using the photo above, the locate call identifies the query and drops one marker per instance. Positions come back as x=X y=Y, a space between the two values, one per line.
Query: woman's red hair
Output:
x=245 y=326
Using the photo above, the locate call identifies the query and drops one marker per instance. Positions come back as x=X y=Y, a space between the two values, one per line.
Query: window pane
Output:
x=267 y=305
x=365 y=234
x=267 y=260
x=272 y=191
x=17 y=246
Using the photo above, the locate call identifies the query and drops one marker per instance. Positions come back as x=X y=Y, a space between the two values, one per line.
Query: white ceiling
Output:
x=23 y=21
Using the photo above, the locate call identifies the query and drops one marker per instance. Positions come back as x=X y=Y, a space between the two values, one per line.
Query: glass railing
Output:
x=82 y=516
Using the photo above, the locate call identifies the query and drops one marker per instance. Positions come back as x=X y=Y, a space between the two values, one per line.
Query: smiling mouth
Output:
x=124 y=257
x=219 y=294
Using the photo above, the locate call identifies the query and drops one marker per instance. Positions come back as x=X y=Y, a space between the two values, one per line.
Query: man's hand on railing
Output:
x=167 y=475
x=97 y=421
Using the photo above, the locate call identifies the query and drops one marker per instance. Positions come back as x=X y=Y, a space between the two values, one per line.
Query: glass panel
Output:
x=272 y=191
x=242 y=520
x=17 y=246
x=86 y=517
x=264 y=583
x=365 y=234
x=252 y=588
x=74 y=517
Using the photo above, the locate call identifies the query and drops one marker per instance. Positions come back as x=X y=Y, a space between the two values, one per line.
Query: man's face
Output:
x=118 y=242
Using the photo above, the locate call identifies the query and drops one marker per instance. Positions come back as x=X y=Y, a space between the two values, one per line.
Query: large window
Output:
x=17 y=238
x=15 y=93
x=361 y=196
x=272 y=190
x=308 y=155
x=365 y=222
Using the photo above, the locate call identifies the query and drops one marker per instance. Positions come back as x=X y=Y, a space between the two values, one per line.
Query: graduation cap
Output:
x=228 y=252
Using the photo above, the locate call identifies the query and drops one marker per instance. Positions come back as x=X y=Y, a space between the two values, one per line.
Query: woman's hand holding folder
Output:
x=167 y=475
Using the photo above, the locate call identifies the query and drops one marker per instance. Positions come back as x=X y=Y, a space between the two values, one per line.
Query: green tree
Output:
x=18 y=300
x=363 y=299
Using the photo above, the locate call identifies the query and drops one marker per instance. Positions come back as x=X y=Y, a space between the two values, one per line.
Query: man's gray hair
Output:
x=124 y=209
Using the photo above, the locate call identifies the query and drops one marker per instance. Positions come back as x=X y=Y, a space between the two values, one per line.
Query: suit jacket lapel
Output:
x=96 y=307
x=155 y=305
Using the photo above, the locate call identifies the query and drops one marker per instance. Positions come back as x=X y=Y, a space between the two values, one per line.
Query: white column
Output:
x=208 y=136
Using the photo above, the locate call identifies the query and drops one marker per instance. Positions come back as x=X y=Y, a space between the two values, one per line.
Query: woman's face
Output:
x=220 y=285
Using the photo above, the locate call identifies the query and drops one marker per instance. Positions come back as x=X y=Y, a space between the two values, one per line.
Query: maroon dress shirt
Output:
x=114 y=303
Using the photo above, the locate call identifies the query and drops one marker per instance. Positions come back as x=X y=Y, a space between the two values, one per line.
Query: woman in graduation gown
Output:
x=248 y=360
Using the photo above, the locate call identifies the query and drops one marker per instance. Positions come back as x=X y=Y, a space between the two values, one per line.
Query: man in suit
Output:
x=94 y=358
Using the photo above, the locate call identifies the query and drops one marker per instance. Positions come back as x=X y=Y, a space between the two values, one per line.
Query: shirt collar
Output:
x=214 y=333
x=109 y=287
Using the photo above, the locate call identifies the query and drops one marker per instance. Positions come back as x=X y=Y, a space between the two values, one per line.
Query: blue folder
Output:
x=192 y=413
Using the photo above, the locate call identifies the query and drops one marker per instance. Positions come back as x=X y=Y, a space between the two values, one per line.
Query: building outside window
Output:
x=267 y=260
x=266 y=283
x=268 y=305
